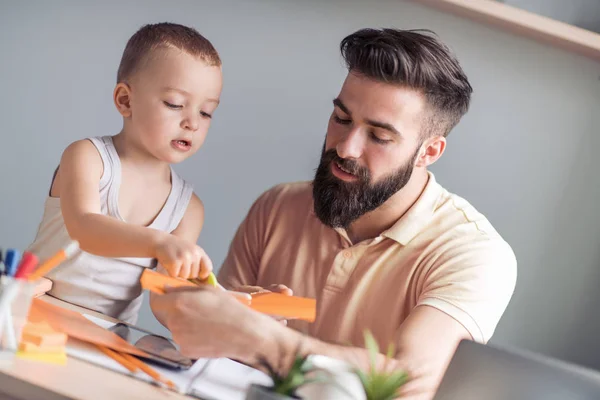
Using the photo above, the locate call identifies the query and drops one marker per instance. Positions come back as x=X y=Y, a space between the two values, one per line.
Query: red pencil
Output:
x=26 y=266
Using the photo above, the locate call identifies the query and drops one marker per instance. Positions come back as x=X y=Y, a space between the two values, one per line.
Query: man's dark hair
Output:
x=418 y=60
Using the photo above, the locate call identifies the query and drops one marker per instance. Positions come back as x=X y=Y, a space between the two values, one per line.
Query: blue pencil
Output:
x=11 y=261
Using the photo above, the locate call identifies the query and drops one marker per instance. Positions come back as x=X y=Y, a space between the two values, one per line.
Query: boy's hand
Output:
x=183 y=259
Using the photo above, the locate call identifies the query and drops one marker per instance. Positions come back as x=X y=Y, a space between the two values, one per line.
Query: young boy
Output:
x=118 y=195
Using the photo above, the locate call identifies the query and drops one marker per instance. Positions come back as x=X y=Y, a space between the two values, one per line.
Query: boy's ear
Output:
x=122 y=99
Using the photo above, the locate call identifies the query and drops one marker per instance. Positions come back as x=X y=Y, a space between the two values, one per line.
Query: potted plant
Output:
x=320 y=377
x=339 y=380
x=383 y=384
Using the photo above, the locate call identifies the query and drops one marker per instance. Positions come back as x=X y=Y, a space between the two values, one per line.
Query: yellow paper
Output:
x=59 y=358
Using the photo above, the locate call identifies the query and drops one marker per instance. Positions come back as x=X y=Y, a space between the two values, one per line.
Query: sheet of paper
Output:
x=217 y=379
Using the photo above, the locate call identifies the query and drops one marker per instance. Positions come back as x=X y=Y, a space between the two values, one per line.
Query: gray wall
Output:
x=582 y=13
x=523 y=155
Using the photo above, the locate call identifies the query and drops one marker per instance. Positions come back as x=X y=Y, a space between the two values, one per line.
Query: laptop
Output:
x=484 y=372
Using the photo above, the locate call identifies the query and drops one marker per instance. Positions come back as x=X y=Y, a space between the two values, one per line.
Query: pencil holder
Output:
x=15 y=301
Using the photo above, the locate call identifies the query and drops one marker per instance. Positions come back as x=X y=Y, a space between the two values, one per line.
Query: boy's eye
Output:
x=173 y=106
x=205 y=114
x=341 y=121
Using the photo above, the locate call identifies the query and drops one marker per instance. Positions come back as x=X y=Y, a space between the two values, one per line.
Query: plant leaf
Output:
x=363 y=377
x=372 y=347
x=391 y=351
x=382 y=386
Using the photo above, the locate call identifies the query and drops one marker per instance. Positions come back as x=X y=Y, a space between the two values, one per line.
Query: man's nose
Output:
x=351 y=146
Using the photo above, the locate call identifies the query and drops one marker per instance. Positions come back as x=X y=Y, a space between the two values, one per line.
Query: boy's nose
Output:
x=191 y=123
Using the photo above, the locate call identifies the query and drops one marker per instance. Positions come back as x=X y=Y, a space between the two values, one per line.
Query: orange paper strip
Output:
x=77 y=326
x=269 y=303
x=156 y=282
x=285 y=306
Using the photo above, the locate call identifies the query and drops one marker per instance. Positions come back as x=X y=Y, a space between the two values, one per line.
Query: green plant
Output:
x=384 y=383
x=296 y=377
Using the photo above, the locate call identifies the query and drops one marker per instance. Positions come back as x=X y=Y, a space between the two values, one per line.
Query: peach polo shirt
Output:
x=441 y=253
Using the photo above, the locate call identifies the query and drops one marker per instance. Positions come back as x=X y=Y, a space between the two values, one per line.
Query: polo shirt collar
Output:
x=418 y=215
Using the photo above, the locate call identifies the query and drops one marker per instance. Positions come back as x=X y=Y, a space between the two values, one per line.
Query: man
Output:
x=374 y=238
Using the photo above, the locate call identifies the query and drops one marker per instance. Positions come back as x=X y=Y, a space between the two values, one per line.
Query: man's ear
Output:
x=122 y=99
x=431 y=150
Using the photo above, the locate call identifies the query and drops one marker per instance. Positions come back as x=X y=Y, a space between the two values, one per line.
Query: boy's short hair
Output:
x=164 y=35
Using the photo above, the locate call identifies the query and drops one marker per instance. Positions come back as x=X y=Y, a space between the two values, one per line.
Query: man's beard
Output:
x=337 y=203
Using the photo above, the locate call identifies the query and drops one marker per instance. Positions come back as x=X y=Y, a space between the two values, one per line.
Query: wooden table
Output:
x=23 y=379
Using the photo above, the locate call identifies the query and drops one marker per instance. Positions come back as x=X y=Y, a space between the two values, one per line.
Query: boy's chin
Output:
x=175 y=157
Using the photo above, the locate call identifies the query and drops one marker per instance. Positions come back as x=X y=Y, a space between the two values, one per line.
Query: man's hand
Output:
x=275 y=288
x=209 y=322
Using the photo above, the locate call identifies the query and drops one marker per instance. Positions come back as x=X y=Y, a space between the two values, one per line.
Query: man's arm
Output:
x=424 y=345
x=207 y=322
x=240 y=269
x=189 y=228
x=241 y=266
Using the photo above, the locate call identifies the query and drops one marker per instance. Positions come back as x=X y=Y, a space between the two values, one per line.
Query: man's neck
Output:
x=385 y=216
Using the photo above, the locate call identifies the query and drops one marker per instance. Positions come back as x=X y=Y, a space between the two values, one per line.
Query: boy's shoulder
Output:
x=82 y=152
x=81 y=145
x=195 y=206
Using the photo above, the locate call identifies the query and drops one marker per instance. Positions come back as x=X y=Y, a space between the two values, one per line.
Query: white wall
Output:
x=524 y=155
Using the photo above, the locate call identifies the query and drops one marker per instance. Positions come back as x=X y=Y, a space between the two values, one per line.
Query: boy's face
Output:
x=172 y=100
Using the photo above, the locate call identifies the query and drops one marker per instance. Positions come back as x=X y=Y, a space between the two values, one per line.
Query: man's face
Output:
x=373 y=140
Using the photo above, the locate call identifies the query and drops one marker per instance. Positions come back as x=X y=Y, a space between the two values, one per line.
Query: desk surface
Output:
x=22 y=379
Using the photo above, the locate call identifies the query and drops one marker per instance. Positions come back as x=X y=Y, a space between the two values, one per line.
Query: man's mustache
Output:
x=347 y=164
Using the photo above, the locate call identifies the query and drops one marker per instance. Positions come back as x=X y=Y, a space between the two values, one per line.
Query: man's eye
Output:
x=341 y=121
x=376 y=139
x=173 y=106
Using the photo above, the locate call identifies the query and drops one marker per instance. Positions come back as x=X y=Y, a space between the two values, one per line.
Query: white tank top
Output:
x=107 y=285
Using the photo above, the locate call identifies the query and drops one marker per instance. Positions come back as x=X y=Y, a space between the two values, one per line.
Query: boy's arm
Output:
x=191 y=224
x=189 y=228
x=80 y=172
